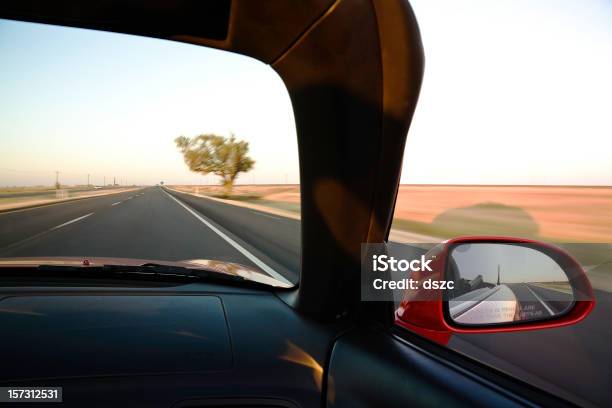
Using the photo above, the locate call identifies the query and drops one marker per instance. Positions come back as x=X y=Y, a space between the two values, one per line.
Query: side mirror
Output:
x=496 y=284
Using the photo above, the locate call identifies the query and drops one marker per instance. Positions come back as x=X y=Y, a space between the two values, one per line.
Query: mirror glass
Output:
x=496 y=283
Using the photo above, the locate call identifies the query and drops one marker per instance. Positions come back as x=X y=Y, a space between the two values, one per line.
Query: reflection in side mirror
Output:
x=496 y=284
x=501 y=283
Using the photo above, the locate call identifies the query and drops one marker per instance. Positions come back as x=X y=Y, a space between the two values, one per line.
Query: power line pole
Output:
x=56 y=179
x=114 y=181
x=88 y=180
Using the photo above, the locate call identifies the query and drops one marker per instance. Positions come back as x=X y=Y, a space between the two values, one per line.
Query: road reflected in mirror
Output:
x=498 y=283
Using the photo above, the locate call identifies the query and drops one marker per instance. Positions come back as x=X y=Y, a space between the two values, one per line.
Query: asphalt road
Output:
x=573 y=362
x=535 y=302
x=150 y=224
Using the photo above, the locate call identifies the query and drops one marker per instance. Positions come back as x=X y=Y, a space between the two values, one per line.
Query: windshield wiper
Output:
x=147 y=270
x=171 y=270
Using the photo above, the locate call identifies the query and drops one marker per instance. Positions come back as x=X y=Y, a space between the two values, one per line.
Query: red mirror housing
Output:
x=424 y=313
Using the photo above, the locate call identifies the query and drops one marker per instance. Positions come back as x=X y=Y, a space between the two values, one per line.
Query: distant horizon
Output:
x=521 y=106
x=298 y=184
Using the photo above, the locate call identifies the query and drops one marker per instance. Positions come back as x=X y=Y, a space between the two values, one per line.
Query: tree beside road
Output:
x=223 y=156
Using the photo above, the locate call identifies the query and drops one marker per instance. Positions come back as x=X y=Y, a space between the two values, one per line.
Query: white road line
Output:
x=548 y=309
x=130 y=197
x=71 y=221
x=266 y=215
x=233 y=243
x=118 y=202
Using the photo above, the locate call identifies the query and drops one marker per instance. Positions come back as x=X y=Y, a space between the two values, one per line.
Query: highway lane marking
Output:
x=118 y=202
x=266 y=215
x=253 y=207
x=548 y=309
x=233 y=243
x=458 y=310
x=71 y=221
x=11 y=247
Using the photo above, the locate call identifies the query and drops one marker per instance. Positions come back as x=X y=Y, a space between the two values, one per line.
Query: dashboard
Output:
x=180 y=345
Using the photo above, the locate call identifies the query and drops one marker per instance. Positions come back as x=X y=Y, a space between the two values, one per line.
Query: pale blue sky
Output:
x=82 y=101
x=515 y=92
x=516 y=263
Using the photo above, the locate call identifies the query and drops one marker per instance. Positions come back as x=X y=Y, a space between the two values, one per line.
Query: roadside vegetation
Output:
x=222 y=156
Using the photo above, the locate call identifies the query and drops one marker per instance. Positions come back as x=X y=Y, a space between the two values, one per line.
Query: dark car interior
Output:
x=213 y=343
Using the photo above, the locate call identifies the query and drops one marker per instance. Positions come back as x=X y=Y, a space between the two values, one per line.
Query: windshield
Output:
x=118 y=149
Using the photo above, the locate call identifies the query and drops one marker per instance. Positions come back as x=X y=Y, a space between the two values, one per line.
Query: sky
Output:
x=85 y=102
x=516 y=263
x=515 y=92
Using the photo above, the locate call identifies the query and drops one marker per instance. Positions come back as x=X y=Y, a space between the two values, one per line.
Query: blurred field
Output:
x=28 y=189
x=553 y=213
x=577 y=218
x=19 y=197
x=568 y=214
